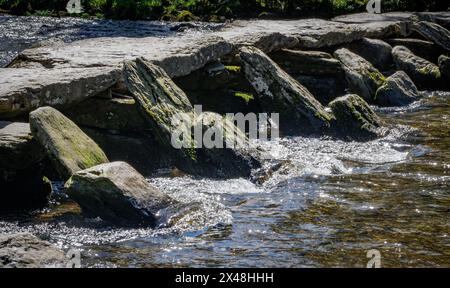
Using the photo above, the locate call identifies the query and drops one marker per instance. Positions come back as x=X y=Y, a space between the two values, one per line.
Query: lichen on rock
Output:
x=67 y=146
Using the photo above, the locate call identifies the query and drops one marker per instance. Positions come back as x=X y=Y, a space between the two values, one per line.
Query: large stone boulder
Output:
x=363 y=78
x=69 y=149
x=23 y=90
x=398 y=90
x=422 y=48
x=21 y=169
x=170 y=114
x=118 y=194
x=375 y=51
x=444 y=67
x=433 y=32
x=424 y=73
x=278 y=92
x=27 y=251
x=355 y=120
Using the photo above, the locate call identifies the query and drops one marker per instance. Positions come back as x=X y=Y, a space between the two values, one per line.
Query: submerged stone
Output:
x=27 y=251
x=354 y=118
x=278 y=92
x=118 y=194
x=398 y=90
x=68 y=147
x=424 y=73
x=363 y=78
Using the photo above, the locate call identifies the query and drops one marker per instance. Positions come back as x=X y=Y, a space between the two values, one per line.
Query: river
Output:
x=336 y=201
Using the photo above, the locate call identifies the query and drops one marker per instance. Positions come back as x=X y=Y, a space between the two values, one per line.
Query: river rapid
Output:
x=336 y=201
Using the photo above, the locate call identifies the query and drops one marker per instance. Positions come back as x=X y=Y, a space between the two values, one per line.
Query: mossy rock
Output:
x=67 y=146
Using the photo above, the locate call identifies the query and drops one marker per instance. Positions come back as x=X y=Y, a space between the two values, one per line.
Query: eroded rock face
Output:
x=118 y=194
x=28 y=251
x=362 y=77
x=398 y=90
x=23 y=90
x=422 y=72
x=375 y=51
x=279 y=92
x=355 y=119
x=169 y=112
x=434 y=32
x=444 y=67
x=69 y=149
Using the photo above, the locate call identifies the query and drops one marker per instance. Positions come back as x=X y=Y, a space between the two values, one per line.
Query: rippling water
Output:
x=334 y=202
x=331 y=203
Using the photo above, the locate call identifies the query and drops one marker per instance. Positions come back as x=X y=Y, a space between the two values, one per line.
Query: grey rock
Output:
x=434 y=32
x=444 y=67
x=117 y=193
x=23 y=90
x=398 y=90
x=21 y=169
x=363 y=78
x=422 y=72
x=355 y=119
x=162 y=103
x=324 y=88
x=69 y=149
x=278 y=91
x=27 y=251
x=422 y=48
x=109 y=114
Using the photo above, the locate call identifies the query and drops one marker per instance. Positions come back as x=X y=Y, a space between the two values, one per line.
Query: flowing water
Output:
x=334 y=202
